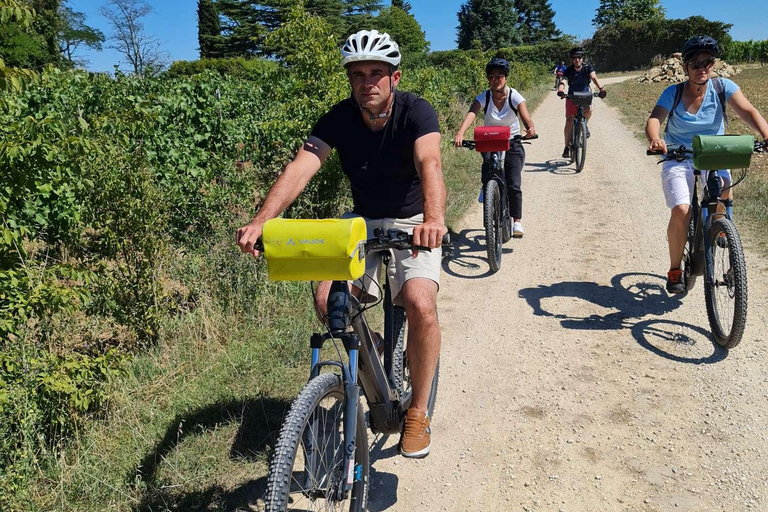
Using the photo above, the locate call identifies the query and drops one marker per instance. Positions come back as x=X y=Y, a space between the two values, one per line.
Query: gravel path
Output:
x=569 y=380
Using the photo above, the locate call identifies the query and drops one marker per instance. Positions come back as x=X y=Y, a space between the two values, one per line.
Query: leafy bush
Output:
x=237 y=66
x=545 y=53
x=746 y=51
x=633 y=44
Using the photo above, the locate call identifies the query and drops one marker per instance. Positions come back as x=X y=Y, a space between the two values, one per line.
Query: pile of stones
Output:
x=672 y=70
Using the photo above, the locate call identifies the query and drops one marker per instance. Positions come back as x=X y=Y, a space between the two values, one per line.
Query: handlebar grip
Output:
x=446 y=239
x=531 y=138
x=651 y=153
x=259 y=244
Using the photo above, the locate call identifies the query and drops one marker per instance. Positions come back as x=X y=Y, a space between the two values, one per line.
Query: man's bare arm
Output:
x=426 y=155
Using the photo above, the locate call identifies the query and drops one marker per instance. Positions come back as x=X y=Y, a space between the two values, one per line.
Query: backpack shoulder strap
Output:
x=717 y=83
x=487 y=101
x=509 y=99
x=678 y=98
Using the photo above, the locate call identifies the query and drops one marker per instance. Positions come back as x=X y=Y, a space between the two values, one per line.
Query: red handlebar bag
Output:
x=491 y=138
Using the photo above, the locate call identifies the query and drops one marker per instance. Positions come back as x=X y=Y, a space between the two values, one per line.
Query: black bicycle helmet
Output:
x=698 y=44
x=578 y=51
x=497 y=63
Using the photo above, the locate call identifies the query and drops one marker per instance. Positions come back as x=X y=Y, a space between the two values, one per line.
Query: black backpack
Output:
x=717 y=83
x=509 y=100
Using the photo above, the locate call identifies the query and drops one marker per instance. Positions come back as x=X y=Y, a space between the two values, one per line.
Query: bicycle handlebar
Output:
x=391 y=239
x=571 y=96
x=470 y=144
x=680 y=152
x=397 y=239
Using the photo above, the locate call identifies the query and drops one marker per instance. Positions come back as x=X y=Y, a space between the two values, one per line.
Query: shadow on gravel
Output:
x=260 y=420
x=558 y=166
x=653 y=335
x=632 y=295
x=382 y=492
x=469 y=258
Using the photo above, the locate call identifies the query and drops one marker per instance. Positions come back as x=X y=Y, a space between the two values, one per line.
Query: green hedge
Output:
x=746 y=51
x=633 y=44
x=233 y=67
x=545 y=54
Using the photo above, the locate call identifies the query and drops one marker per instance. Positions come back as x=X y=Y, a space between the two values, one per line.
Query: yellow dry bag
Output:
x=315 y=250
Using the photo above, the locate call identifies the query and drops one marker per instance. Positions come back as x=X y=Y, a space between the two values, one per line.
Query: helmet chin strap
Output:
x=700 y=85
x=376 y=117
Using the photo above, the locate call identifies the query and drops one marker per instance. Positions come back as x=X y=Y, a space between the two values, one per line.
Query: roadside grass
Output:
x=193 y=424
x=636 y=100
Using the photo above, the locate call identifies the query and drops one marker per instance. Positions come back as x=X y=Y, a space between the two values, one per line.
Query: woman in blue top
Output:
x=698 y=111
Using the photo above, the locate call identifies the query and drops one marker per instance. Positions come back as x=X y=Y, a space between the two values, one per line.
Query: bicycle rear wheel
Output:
x=307 y=470
x=581 y=144
x=726 y=290
x=492 y=217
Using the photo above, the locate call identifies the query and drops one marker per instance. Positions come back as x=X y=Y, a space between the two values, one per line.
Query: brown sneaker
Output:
x=415 y=441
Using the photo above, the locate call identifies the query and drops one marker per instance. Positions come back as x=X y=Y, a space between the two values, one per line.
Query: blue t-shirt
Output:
x=707 y=121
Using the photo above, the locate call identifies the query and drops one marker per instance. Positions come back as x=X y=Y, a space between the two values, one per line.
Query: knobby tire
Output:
x=726 y=291
x=492 y=218
x=282 y=477
x=581 y=143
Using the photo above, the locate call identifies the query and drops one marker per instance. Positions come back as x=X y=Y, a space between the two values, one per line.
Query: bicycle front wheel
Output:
x=493 y=235
x=581 y=144
x=307 y=470
x=726 y=290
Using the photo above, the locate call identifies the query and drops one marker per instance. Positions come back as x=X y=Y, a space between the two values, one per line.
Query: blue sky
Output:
x=174 y=22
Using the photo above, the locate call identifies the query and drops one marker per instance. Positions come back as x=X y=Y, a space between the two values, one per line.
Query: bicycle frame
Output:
x=386 y=407
x=496 y=166
x=705 y=212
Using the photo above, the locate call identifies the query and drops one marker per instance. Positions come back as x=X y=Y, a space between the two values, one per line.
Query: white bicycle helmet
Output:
x=368 y=45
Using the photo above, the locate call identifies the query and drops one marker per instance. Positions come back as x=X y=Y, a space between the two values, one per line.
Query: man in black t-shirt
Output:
x=389 y=146
x=578 y=76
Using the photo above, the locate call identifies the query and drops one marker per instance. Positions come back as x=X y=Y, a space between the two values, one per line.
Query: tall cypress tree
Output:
x=536 y=21
x=208 y=29
x=48 y=24
x=491 y=23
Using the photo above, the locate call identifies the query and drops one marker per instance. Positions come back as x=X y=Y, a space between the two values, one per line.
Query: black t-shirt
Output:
x=380 y=164
x=578 y=81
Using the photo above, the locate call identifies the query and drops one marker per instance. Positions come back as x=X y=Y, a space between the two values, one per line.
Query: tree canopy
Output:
x=488 y=24
x=404 y=29
x=245 y=24
x=536 y=21
x=611 y=12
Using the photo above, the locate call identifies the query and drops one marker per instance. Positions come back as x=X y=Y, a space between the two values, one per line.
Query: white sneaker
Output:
x=517 y=230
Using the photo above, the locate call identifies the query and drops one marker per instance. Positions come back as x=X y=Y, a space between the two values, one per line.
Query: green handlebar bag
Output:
x=715 y=152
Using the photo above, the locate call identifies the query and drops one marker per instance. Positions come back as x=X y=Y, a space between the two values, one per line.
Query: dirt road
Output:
x=570 y=380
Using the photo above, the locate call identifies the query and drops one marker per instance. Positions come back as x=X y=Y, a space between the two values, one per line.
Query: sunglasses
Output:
x=496 y=77
x=702 y=64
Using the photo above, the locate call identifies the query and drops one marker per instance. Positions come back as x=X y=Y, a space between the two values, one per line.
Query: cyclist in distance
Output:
x=389 y=147
x=558 y=72
x=578 y=75
x=696 y=109
x=501 y=105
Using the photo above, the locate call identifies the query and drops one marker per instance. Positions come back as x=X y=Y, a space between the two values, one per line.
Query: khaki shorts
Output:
x=402 y=266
